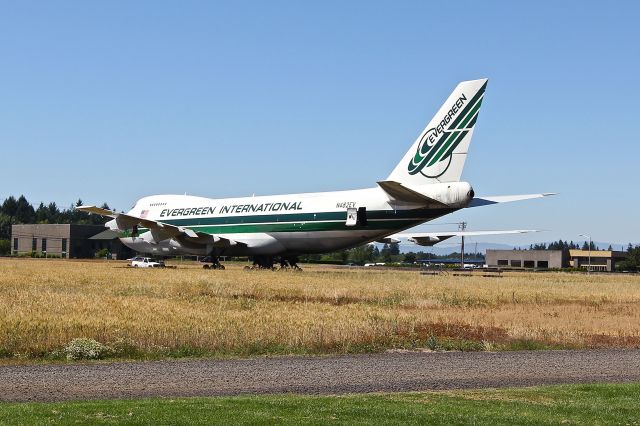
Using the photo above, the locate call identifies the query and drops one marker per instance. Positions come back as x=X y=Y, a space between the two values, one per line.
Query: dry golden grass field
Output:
x=187 y=311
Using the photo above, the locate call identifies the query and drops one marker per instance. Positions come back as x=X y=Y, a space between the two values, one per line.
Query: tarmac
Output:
x=395 y=371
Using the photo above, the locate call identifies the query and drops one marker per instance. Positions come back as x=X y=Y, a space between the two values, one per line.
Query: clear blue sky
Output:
x=111 y=101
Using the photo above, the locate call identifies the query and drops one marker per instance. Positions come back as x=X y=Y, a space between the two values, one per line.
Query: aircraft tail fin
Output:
x=439 y=153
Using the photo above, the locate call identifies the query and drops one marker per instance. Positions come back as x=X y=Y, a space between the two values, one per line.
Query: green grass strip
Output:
x=568 y=404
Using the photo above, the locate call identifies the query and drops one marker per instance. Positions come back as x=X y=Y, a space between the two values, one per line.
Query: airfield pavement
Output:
x=393 y=371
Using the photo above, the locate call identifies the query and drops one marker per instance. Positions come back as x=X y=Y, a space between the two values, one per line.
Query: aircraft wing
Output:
x=432 y=238
x=159 y=230
x=485 y=201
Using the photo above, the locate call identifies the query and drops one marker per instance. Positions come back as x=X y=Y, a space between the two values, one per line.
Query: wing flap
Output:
x=97 y=210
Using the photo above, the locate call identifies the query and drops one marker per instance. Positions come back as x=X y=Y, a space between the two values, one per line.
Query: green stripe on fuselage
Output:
x=307 y=222
x=304 y=227
x=422 y=214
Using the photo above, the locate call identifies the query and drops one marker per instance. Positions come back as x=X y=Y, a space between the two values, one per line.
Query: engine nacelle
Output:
x=426 y=241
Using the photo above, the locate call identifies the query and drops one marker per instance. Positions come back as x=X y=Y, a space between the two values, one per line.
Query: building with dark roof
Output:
x=66 y=241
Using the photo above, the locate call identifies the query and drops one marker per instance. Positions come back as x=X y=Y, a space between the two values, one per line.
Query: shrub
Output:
x=102 y=253
x=432 y=343
x=83 y=348
x=125 y=348
x=5 y=247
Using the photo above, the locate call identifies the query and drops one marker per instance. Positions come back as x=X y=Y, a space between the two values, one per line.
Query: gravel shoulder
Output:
x=386 y=372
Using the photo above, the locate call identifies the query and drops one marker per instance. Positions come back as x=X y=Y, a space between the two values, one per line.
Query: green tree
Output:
x=362 y=254
x=5 y=247
x=5 y=226
x=10 y=206
x=42 y=214
x=25 y=213
x=53 y=213
x=385 y=253
x=410 y=257
x=337 y=256
x=632 y=261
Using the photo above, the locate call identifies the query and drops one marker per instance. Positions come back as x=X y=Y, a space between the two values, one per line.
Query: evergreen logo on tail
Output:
x=438 y=143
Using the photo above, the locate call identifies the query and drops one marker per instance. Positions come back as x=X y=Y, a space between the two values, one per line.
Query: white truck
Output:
x=146 y=262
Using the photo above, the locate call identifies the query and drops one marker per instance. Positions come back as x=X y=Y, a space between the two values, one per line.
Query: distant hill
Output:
x=447 y=247
x=450 y=247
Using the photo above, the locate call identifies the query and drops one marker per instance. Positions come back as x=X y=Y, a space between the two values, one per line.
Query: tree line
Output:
x=564 y=246
x=370 y=253
x=632 y=261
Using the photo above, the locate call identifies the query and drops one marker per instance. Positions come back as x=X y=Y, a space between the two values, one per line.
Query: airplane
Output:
x=425 y=185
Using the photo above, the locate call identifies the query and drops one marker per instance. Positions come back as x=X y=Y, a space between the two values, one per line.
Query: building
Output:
x=65 y=241
x=542 y=259
x=601 y=260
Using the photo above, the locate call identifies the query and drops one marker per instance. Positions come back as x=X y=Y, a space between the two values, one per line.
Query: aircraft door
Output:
x=352 y=217
x=362 y=216
x=357 y=216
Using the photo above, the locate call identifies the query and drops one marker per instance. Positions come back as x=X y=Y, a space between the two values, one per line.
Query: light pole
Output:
x=589 y=237
x=462 y=226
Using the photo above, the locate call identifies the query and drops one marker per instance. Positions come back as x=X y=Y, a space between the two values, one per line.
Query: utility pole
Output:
x=588 y=236
x=462 y=226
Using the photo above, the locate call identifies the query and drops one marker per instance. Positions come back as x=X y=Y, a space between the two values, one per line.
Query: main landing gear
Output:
x=215 y=263
x=289 y=263
x=267 y=262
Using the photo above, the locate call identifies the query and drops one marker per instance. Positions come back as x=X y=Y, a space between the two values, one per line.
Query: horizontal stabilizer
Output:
x=485 y=201
x=432 y=238
x=401 y=193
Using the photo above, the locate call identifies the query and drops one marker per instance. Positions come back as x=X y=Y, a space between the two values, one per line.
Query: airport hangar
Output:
x=601 y=260
x=67 y=241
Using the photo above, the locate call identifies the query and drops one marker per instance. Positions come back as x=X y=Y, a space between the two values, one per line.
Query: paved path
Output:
x=387 y=372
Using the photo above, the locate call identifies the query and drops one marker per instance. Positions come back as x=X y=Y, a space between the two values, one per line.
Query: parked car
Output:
x=146 y=262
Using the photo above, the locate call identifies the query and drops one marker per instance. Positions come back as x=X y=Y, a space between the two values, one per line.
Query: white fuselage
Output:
x=290 y=224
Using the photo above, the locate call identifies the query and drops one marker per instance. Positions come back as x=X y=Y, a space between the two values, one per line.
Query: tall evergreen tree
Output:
x=10 y=206
x=42 y=214
x=25 y=213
